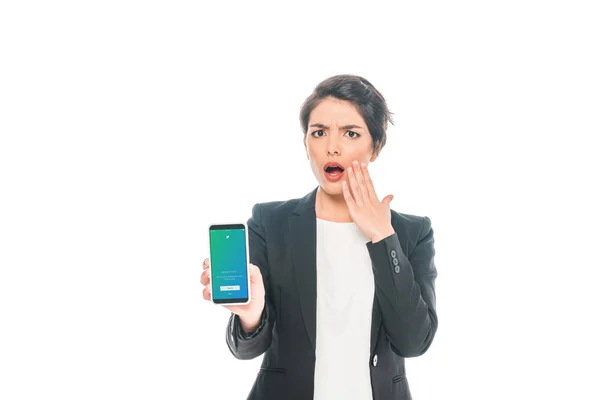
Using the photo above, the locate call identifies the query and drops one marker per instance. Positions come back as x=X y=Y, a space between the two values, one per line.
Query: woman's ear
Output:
x=374 y=156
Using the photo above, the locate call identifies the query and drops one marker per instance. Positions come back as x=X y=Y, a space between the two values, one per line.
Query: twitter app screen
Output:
x=228 y=266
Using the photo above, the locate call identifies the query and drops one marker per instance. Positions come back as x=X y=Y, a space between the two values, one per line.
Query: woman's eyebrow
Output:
x=321 y=126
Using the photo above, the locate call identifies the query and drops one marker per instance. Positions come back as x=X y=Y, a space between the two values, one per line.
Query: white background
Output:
x=127 y=127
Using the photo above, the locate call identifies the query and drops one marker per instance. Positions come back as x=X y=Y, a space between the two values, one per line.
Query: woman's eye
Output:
x=317 y=132
x=355 y=134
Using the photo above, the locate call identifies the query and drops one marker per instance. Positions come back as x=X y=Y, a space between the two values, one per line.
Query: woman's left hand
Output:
x=373 y=217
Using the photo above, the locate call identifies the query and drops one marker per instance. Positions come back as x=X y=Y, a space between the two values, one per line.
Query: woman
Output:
x=374 y=305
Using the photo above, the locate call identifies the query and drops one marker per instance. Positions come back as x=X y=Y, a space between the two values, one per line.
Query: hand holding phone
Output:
x=247 y=312
x=230 y=279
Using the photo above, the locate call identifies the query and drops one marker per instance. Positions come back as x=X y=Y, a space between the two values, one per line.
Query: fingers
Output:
x=206 y=293
x=205 y=280
x=205 y=277
x=360 y=180
x=356 y=192
x=368 y=182
x=255 y=274
x=347 y=196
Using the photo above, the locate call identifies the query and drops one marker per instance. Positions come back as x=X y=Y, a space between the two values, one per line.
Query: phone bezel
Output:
x=231 y=225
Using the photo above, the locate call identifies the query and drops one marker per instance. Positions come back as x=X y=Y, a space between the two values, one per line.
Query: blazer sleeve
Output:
x=246 y=346
x=405 y=290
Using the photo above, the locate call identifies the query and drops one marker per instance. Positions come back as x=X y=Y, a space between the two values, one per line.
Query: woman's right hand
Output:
x=249 y=313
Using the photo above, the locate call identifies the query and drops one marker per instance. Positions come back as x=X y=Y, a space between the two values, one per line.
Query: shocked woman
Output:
x=343 y=287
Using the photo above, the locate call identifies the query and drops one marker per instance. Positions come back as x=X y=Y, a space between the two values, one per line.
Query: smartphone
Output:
x=229 y=263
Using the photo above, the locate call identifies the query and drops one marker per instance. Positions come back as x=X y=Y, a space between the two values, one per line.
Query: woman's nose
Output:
x=333 y=147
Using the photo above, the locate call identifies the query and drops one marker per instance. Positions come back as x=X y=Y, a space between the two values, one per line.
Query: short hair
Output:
x=368 y=101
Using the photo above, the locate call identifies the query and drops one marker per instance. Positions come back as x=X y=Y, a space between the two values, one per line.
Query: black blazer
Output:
x=282 y=240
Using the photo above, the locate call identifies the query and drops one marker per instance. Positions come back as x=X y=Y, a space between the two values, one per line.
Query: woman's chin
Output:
x=332 y=188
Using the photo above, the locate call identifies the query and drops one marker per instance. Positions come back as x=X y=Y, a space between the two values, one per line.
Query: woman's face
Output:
x=336 y=133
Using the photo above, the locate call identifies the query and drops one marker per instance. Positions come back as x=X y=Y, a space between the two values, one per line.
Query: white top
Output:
x=345 y=294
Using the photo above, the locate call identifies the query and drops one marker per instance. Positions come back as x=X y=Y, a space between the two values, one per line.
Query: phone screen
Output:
x=228 y=263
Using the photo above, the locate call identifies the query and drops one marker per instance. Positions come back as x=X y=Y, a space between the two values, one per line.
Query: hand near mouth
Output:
x=373 y=217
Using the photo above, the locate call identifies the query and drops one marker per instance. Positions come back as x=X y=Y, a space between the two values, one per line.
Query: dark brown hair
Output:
x=362 y=94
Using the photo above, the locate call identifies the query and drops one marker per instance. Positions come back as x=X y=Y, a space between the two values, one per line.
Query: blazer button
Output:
x=397 y=269
x=393 y=253
x=395 y=261
x=375 y=360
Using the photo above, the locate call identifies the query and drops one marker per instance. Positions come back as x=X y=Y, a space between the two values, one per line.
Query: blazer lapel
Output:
x=303 y=245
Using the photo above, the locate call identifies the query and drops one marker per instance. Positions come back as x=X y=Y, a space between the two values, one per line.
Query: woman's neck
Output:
x=331 y=208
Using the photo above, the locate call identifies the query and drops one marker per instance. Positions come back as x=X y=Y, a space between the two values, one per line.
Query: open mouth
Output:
x=333 y=171
x=333 y=168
